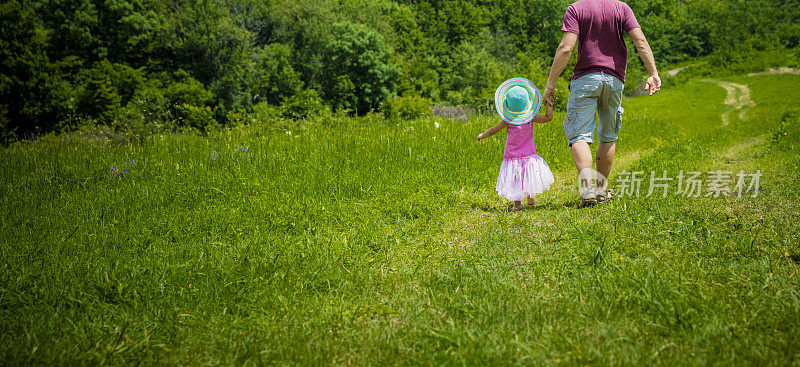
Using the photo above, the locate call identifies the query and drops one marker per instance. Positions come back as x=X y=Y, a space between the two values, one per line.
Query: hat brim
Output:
x=517 y=117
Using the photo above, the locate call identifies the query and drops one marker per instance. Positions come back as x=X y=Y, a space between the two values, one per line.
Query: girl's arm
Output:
x=548 y=113
x=492 y=130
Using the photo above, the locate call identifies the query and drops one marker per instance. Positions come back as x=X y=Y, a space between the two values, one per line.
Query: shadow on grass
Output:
x=509 y=207
x=571 y=204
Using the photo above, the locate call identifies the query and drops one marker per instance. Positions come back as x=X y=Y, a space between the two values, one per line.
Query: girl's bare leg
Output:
x=531 y=201
x=517 y=205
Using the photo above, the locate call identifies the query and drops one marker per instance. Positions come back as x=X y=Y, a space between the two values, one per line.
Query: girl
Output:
x=523 y=173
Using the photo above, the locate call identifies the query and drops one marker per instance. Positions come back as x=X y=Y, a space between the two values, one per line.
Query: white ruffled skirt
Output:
x=521 y=177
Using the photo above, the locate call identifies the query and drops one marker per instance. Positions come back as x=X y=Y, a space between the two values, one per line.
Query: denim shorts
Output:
x=597 y=93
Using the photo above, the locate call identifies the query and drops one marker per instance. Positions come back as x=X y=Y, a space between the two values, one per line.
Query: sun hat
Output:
x=517 y=100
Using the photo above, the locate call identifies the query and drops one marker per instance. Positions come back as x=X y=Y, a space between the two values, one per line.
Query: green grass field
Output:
x=364 y=242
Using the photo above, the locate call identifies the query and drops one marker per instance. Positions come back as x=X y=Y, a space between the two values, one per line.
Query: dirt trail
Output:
x=740 y=151
x=773 y=71
x=737 y=99
x=674 y=72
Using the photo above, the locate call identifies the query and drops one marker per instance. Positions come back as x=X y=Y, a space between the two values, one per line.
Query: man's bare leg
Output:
x=605 y=158
x=582 y=157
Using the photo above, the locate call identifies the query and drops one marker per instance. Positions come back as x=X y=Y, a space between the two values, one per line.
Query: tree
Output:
x=33 y=94
x=213 y=49
x=359 y=53
x=100 y=98
x=472 y=75
x=275 y=79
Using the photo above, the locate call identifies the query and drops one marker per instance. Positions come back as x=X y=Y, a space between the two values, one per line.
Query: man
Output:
x=598 y=27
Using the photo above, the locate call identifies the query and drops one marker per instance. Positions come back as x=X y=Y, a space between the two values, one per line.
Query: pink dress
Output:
x=523 y=173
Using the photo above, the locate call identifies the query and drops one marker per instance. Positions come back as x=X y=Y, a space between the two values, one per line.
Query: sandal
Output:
x=604 y=196
x=587 y=199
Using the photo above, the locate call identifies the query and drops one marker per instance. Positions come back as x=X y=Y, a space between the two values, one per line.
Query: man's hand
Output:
x=653 y=84
x=549 y=94
x=481 y=137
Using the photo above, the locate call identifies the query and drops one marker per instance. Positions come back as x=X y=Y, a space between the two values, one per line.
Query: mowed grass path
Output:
x=364 y=242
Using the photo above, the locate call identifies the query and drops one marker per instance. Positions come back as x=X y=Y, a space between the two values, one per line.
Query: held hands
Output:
x=548 y=111
x=653 y=84
x=548 y=102
x=549 y=94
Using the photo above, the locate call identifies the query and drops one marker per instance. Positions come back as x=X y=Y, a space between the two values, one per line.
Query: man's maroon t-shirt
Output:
x=600 y=26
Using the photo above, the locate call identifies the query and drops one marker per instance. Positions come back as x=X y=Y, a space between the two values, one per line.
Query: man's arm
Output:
x=646 y=54
x=560 y=61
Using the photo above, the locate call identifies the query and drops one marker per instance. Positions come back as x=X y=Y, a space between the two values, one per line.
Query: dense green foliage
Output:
x=127 y=63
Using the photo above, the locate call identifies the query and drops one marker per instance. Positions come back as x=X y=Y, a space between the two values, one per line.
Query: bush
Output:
x=99 y=97
x=304 y=105
x=237 y=118
x=344 y=98
x=189 y=102
x=275 y=79
x=472 y=76
x=265 y=112
x=743 y=60
x=200 y=118
x=185 y=102
x=183 y=89
x=148 y=106
x=406 y=108
x=5 y=133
